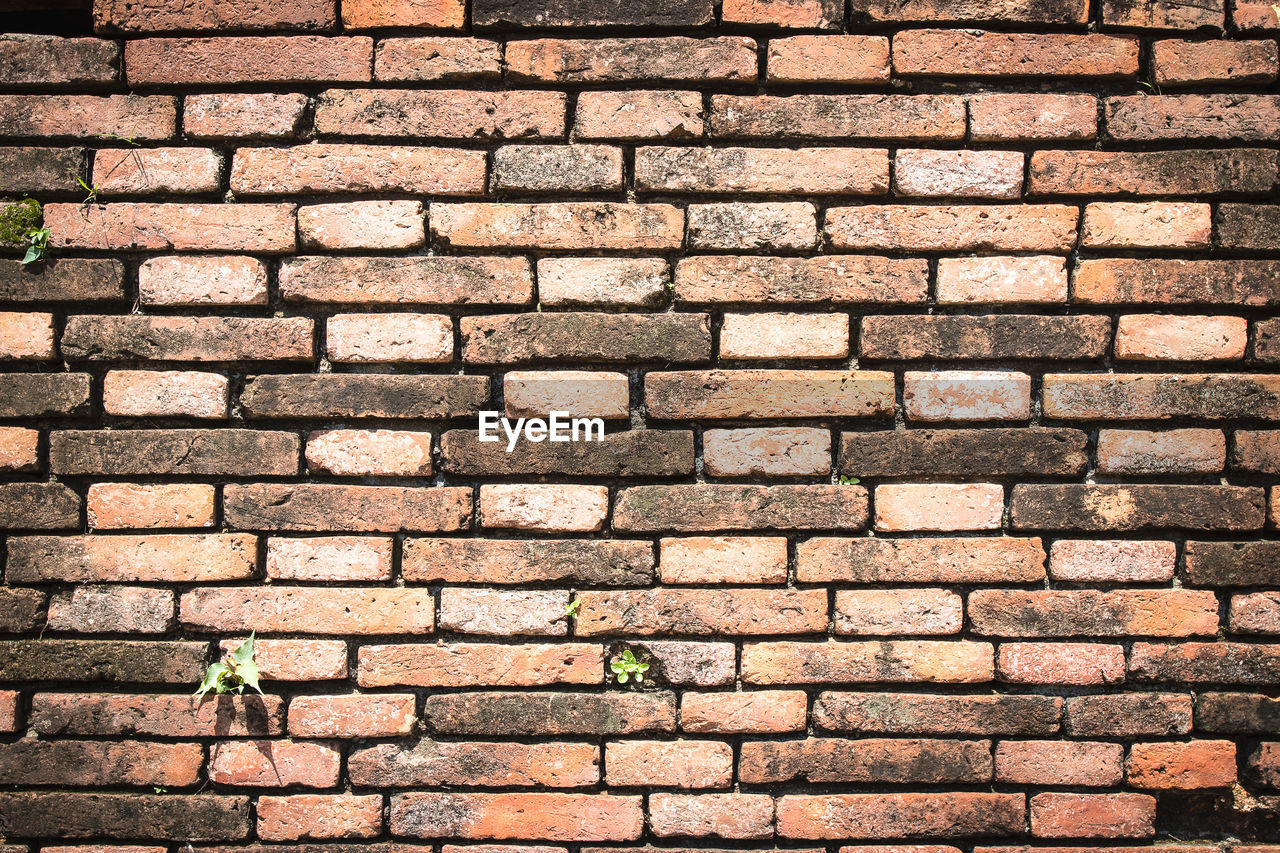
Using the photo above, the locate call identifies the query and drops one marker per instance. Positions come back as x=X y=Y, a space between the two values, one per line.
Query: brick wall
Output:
x=1012 y=264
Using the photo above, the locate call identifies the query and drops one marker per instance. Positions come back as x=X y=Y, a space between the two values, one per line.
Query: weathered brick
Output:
x=887 y=661
x=432 y=58
x=141 y=117
x=308 y=610
x=709 y=507
x=732 y=394
x=806 y=14
x=1062 y=815
x=959 y=395
x=554 y=817
x=1254 y=613
x=1236 y=713
x=584 y=393
x=918 y=713
x=330 y=558
x=555 y=714
x=1028 y=117
x=362 y=225
x=769 y=451
x=872 y=760
x=19 y=449
x=679 y=764
x=747 y=816
x=558 y=509
x=155 y=715
x=1182 y=766
x=841 y=816
x=337 y=395
x=557 y=168
x=130 y=226
x=1178 y=62
x=584 y=336
x=1011 y=11
x=76 y=280
x=1221 y=662
x=352 y=715
x=23 y=610
x=143 y=662
x=1254 y=16
x=38 y=506
x=747 y=712
x=207 y=817
x=206 y=280
x=502 y=612
x=363 y=338
x=853 y=279
x=1232 y=563
x=763 y=226
x=1155 y=396
x=439 y=114
x=964 y=174
x=559 y=226
x=1117 y=561
x=1137 y=507
x=362 y=453
x=846 y=59
x=1061 y=663
x=1179 y=172
x=1146 y=225
x=437 y=763
x=1161 y=14
x=972 y=53
x=296 y=660
x=481 y=665
x=688 y=663
x=76 y=763
x=259 y=115
x=310 y=506
x=1128 y=715
x=436 y=14
x=878 y=117
x=49 y=62
x=645 y=114
x=307 y=816
x=640 y=282
x=1247 y=226
x=1093 y=613
x=425 y=280
x=273 y=763
x=675 y=59
x=982 y=338
x=836 y=171
x=1256 y=450
x=176 y=171
x=716 y=612
x=183 y=452
x=116 y=15
x=240 y=59
x=586 y=562
x=110 y=610
x=633 y=453
x=540 y=14
x=1161 y=337
x=1178 y=451
x=923 y=228
x=920 y=560
x=1254 y=118
x=125 y=559
x=344 y=168
x=30 y=169
x=772 y=336
x=889 y=612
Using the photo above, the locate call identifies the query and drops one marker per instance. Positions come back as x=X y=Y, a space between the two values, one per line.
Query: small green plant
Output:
x=571 y=609
x=233 y=673
x=628 y=668
x=20 y=222
x=849 y=481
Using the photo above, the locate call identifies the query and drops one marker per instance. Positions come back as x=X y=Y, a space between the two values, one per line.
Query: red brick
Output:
x=155 y=715
x=971 y=53
x=557 y=168
x=309 y=816
x=924 y=228
x=709 y=507
x=1084 y=764
x=260 y=115
x=1005 y=11
x=843 y=816
x=894 y=611
x=888 y=661
x=372 y=14
x=157 y=170
x=112 y=15
x=679 y=764
x=1178 y=172
x=845 y=117
x=732 y=394
x=805 y=14
x=164 y=558
x=1253 y=118
x=73 y=763
x=1146 y=225
x=362 y=225
x=440 y=114
x=112 y=609
x=958 y=395
x=1179 y=451
x=550 y=816
x=203 y=280
x=424 y=280
x=1160 y=337
x=481 y=665
x=1182 y=766
x=1128 y=715
x=335 y=168
x=19 y=449
x=966 y=560
x=324 y=507
x=353 y=715
x=558 y=226
x=748 y=712
x=296 y=660
x=722 y=559
x=330 y=558
x=1093 y=613
x=265 y=59
x=173 y=393
x=769 y=451
x=1061 y=815
x=1178 y=62
x=1162 y=14
x=682 y=611
x=1255 y=613
x=1257 y=450
x=86 y=116
x=1118 y=561
x=503 y=612
x=26 y=336
x=739 y=816
x=840 y=279
x=437 y=59
x=633 y=114
x=273 y=764
x=673 y=59
x=1255 y=16
x=261 y=228
x=1061 y=663
x=309 y=610
x=829 y=59
x=1027 y=117
x=764 y=226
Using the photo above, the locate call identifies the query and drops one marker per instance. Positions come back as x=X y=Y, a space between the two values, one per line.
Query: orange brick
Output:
x=939 y=506
x=274 y=763
x=1178 y=451
x=165 y=393
x=679 y=764
x=1061 y=815
x=1061 y=663
x=639 y=114
x=739 y=816
x=1182 y=766
x=314 y=816
x=363 y=453
x=26 y=337
x=19 y=449
x=582 y=393
x=775 y=336
x=748 y=712
x=203 y=280
x=805 y=14
x=362 y=225
x=113 y=506
x=437 y=59
x=1165 y=337
x=887 y=612
x=1146 y=225
x=353 y=715
x=330 y=558
x=560 y=509
x=972 y=53
x=386 y=338
x=925 y=228
x=1190 y=63
x=374 y=14
x=722 y=559
x=995 y=280
x=829 y=59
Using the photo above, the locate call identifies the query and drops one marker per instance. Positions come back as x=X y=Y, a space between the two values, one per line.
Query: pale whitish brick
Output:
x=603 y=281
x=1146 y=225
x=419 y=338
x=165 y=393
x=582 y=393
x=558 y=509
x=26 y=336
x=770 y=336
x=1037 y=279
x=959 y=395
x=234 y=116
x=137 y=506
x=1176 y=451
x=722 y=559
x=898 y=611
x=829 y=59
x=362 y=225
x=360 y=453
x=557 y=168
x=202 y=280
x=639 y=114
x=112 y=609
x=774 y=226
x=330 y=558
x=438 y=59
x=767 y=451
x=19 y=449
x=958 y=174
x=157 y=170
x=1165 y=337
x=939 y=506
x=1116 y=561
